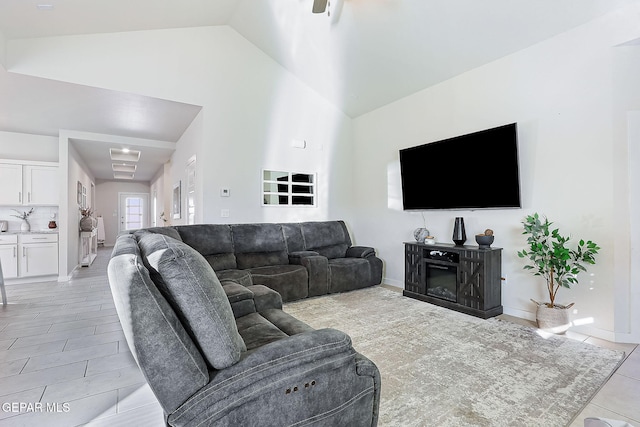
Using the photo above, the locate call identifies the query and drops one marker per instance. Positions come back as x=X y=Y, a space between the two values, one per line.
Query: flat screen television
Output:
x=474 y=171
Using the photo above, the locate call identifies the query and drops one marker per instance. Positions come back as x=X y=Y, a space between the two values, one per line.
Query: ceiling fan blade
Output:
x=319 y=6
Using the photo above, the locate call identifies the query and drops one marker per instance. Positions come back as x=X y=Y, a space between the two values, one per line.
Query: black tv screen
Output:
x=474 y=171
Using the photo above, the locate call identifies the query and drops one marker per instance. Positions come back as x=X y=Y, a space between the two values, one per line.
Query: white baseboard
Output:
x=393 y=282
x=522 y=314
x=32 y=279
x=589 y=330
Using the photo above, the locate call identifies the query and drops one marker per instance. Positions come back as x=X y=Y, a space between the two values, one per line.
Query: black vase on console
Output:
x=459 y=235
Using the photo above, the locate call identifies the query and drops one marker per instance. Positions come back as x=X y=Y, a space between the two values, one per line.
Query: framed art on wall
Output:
x=79 y=194
x=176 y=204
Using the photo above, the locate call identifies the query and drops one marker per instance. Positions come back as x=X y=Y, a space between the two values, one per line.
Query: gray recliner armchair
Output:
x=227 y=355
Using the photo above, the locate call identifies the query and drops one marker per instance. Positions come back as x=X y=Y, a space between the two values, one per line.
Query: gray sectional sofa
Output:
x=225 y=354
x=298 y=260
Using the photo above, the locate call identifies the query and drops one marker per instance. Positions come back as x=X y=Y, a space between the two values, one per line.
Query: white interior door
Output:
x=133 y=211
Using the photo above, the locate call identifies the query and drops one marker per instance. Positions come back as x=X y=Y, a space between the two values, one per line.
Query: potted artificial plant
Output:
x=550 y=257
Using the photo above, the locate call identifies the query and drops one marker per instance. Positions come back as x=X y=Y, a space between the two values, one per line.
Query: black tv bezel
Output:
x=470 y=207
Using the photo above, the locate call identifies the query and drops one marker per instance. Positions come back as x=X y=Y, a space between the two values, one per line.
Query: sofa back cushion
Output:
x=259 y=245
x=328 y=238
x=192 y=288
x=167 y=231
x=293 y=237
x=166 y=354
x=213 y=241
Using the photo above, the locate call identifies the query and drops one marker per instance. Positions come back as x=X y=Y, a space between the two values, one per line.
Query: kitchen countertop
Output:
x=44 y=231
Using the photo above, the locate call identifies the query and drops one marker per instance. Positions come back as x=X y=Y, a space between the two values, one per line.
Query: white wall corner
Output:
x=627 y=296
x=3 y=49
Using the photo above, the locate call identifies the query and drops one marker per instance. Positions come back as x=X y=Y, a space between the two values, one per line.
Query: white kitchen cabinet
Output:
x=40 y=185
x=9 y=255
x=29 y=184
x=38 y=254
x=11 y=188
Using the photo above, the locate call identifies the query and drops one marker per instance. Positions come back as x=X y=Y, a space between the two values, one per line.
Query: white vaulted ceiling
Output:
x=367 y=54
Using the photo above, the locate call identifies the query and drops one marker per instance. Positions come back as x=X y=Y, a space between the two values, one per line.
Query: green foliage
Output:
x=550 y=257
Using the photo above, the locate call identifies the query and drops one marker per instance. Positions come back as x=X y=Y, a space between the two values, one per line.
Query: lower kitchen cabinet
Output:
x=30 y=255
x=9 y=255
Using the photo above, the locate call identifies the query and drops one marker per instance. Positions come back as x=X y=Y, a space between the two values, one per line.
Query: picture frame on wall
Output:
x=79 y=195
x=176 y=202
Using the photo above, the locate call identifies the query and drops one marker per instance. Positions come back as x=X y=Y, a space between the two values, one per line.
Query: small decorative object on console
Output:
x=25 y=226
x=429 y=240
x=459 y=234
x=52 y=222
x=87 y=222
x=420 y=234
x=485 y=239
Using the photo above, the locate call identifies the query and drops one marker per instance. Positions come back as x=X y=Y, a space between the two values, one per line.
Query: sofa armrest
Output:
x=317 y=268
x=360 y=252
x=250 y=299
x=320 y=364
x=240 y=298
x=235 y=291
x=265 y=298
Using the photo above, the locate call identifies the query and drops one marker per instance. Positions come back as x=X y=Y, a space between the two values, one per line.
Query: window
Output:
x=281 y=188
x=133 y=213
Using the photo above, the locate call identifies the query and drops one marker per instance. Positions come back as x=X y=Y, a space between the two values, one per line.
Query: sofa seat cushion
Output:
x=241 y=277
x=258 y=329
x=346 y=274
x=286 y=322
x=192 y=288
x=290 y=281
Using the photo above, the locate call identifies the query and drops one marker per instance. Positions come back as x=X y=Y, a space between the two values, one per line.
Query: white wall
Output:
x=156 y=187
x=252 y=109
x=560 y=94
x=22 y=146
x=190 y=146
x=69 y=237
x=568 y=95
x=628 y=297
x=2 y=50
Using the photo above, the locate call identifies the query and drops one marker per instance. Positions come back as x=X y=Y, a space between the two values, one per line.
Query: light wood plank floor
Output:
x=64 y=361
x=62 y=346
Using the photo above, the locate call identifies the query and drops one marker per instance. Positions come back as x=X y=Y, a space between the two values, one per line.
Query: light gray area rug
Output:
x=444 y=368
